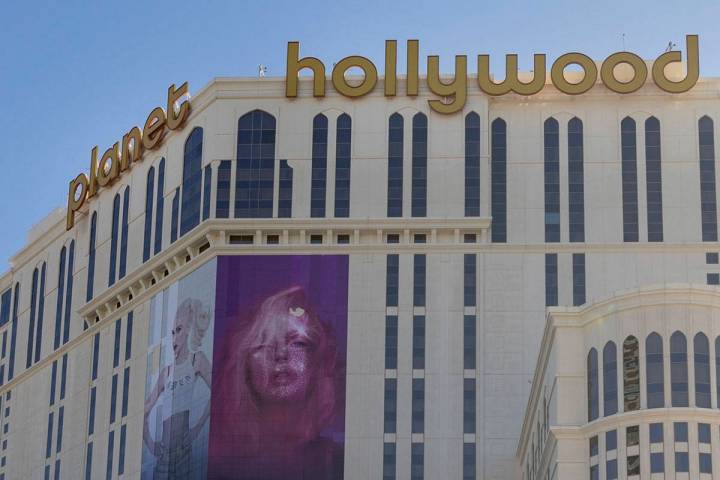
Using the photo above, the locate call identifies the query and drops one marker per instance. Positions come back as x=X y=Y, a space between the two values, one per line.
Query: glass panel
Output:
x=653 y=174
x=395 y=166
x=472 y=165
x=655 y=374
x=631 y=374
x=552 y=180
x=629 y=180
x=610 y=379
x=679 y=370
x=498 y=180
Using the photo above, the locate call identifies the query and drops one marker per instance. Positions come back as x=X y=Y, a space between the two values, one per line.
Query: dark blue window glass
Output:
x=679 y=370
x=576 y=180
x=469 y=342
x=343 y=154
x=706 y=463
x=48 y=443
x=653 y=175
x=717 y=370
x=121 y=453
x=33 y=311
x=680 y=430
x=392 y=278
x=222 y=198
x=419 y=165
x=418 y=405
x=91 y=417
x=149 y=191
x=708 y=196
x=255 y=165
x=551 y=279
x=114 y=239
x=391 y=341
x=63 y=376
x=69 y=292
x=60 y=297
x=498 y=181
x=91 y=259
x=629 y=180
x=610 y=440
x=417 y=461
x=88 y=462
x=704 y=433
x=655 y=371
x=389 y=456
x=552 y=180
x=116 y=349
x=593 y=390
x=469 y=461
x=657 y=462
x=319 y=166
x=578 y=278
x=37 y=309
x=418 y=346
x=469 y=281
x=682 y=462
x=191 y=181
x=110 y=454
x=390 y=409
x=286 y=188
x=124 y=233
x=174 y=216
x=610 y=403
x=159 y=207
x=113 y=398
x=61 y=419
x=419 y=280
x=5 y=300
x=126 y=388
x=656 y=433
x=128 y=336
x=13 y=332
x=469 y=405
x=41 y=313
x=395 y=166
x=53 y=382
x=472 y=165
x=702 y=371
x=96 y=353
x=207 y=190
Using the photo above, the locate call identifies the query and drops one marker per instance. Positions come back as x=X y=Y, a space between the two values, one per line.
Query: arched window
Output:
x=395 y=166
x=114 y=239
x=498 y=180
x=679 y=370
x=255 y=165
x=702 y=370
x=124 y=233
x=552 y=180
x=610 y=400
x=708 y=198
x=68 y=292
x=37 y=310
x=319 y=165
x=343 y=137
x=191 y=181
x=629 y=180
x=576 y=181
x=13 y=331
x=418 y=202
x=159 y=207
x=593 y=391
x=655 y=373
x=149 y=188
x=91 y=258
x=60 y=295
x=653 y=176
x=472 y=165
x=631 y=374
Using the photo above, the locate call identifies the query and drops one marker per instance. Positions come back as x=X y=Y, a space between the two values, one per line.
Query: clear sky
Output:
x=78 y=74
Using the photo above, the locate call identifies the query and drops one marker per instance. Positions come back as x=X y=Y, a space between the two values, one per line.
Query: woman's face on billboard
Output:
x=280 y=360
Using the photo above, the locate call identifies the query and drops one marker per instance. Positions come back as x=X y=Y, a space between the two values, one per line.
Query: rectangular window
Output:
x=5 y=298
x=419 y=280
x=594 y=472
x=126 y=388
x=712 y=258
x=653 y=174
x=706 y=463
x=53 y=380
x=342 y=166
x=472 y=165
x=682 y=462
x=593 y=446
x=470 y=270
x=91 y=417
x=392 y=238
x=390 y=414
x=469 y=462
x=316 y=239
x=418 y=342
x=681 y=431
x=632 y=436
x=576 y=181
x=207 y=187
x=657 y=462
x=391 y=341
x=418 y=405
x=48 y=446
x=128 y=336
x=113 y=398
x=110 y=453
x=633 y=465
x=498 y=181
x=343 y=239
x=392 y=280
x=704 y=432
x=656 y=433
x=116 y=350
x=713 y=278
x=551 y=279
x=286 y=188
x=629 y=180
x=395 y=166
x=417 y=461
x=121 y=459
x=419 y=166
x=578 y=278
x=469 y=342
x=469 y=405
x=222 y=196
x=272 y=239
x=160 y=207
x=611 y=440
x=611 y=470
x=388 y=461
x=174 y=216
x=708 y=194
x=61 y=419
x=319 y=166
x=63 y=377
x=96 y=351
x=552 y=180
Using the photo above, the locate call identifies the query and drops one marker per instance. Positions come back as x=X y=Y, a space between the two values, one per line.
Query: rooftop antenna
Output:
x=262 y=70
x=623 y=41
x=670 y=46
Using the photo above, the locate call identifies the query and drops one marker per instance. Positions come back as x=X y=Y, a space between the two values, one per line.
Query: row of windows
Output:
x=655 y=374
x=551 y=279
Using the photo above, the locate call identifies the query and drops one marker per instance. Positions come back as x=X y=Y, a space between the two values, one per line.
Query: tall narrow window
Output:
x=469 y=405
x=629 y=180
x=593 y=391
x=679 y=370
x=60 y=296
x=191 y=181
x=498 y=180
x=37 y=310
x=469 y=461
x=222 y=198
x=717 y=370
x=702 y=371
x=390 y=413
x=207 y=191
x=653 y=174
x=159 y=207
x=419 y=261
x=418 y=405
x=5 y=300
x=418 y=345
x=708 y=195
x=576 y=180
x=389 y=460
x=419 y=166
x=551 y=279
x=470 y=280
x=395 y=166
x=13 y=331
x=417 y=461
x=124 y=233
x=655 y=371
x=610 y=379
x=286 y=189
x=174 y=216
x=342 y=165
x=319 y=166
x=631 y=374
x=578 y=278
x=255 y=165
x=472 y=165
x=91 y=258
x=114 y=239
x=552 y=180
x=149 y=188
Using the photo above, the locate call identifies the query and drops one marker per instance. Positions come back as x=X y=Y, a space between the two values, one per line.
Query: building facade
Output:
x=358 y=288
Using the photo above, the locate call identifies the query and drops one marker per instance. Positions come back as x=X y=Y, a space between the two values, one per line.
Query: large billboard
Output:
x=246 y=371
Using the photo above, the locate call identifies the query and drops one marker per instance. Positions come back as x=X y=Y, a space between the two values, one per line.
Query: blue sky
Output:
x=74 y=75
